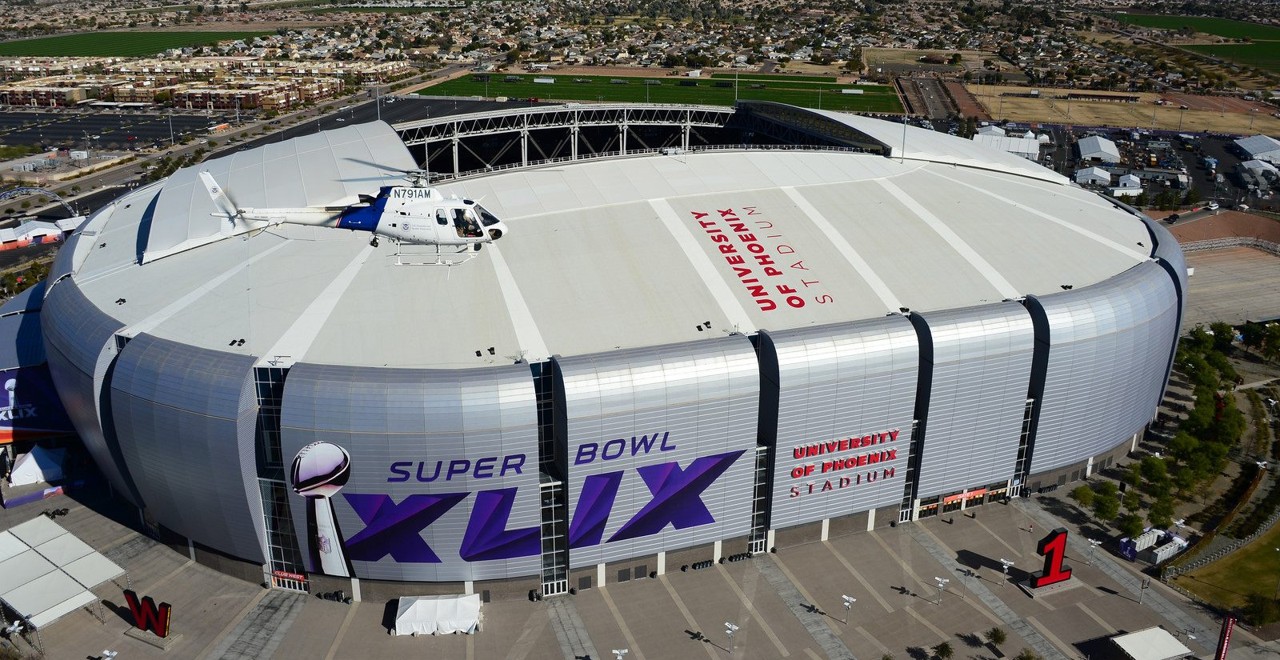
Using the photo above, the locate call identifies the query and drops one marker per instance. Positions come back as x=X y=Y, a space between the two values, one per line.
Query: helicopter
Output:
x=409 y=215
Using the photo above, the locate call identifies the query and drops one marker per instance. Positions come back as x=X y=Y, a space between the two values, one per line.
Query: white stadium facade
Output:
x=674 y=357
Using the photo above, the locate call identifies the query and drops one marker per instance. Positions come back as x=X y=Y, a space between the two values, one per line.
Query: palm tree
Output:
x=996 y=636
x=943 y=651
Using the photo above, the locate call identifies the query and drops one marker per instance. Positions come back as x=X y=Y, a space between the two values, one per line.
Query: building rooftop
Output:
x=602 y=254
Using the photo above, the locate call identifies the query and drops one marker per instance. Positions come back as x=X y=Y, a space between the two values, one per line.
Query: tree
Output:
x=1223 y=335
x=1154 y=469
x=996 y=636
x=1253 y=335
x=1130 y=525
x=1161 y=513
x=1083 y=494
x=1106 y=507
x=1027 y=654
x=1131 y=501
x=943 y=651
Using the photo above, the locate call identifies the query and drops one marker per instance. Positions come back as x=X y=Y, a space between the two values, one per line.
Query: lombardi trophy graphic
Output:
x=320 y=470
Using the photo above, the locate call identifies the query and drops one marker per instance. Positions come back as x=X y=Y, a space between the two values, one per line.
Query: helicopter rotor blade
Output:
x=219 y=196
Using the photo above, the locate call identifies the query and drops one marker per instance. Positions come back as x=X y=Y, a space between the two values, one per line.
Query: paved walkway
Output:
x=569 y=629
x=811 y=617
x=260 y=632
x=1019 y=624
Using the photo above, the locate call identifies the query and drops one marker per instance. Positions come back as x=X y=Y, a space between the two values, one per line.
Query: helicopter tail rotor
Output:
x=219 y=196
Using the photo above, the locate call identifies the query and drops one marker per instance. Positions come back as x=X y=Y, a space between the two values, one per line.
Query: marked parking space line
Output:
x=858 y=576
x=1100 y=621
x=925 y=622
x=342 y=630
x=693 y=625
x=871 y=638
x=622 y=624
x=777 y=643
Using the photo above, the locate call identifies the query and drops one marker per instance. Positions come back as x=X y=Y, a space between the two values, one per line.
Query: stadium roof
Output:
x=606 y=253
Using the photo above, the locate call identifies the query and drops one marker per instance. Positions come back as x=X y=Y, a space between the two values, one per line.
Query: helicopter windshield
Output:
x=486 y=218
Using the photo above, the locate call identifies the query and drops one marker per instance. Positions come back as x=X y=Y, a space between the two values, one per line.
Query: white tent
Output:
x=1151 y=644
x=40 y=465
x=46 y=572
x=435 y=615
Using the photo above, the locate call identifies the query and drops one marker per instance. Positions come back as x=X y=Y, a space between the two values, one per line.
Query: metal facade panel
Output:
x=847 y=395
x=443 y=468
x=659 y=447
x=981 y=368
x=79 y=346
x=178 y=412
x=1109 y=345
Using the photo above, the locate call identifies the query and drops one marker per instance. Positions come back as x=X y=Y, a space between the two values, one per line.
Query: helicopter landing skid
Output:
x=435 y=257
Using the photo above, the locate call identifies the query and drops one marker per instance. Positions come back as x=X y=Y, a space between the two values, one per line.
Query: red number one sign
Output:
x=1054 y=549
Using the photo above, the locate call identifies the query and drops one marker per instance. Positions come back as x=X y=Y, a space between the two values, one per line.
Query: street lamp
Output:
x=1142 y=588
x=729 y=629
x=618 y=653
x=1093 y=545
x=848 y=605
x=942 y=586
x=1004 y=565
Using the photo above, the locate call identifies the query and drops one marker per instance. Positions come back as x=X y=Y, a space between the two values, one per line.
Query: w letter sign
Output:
x=1054 y=549
x=146 y=615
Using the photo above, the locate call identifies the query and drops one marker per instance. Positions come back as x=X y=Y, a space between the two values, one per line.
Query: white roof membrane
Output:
x=602 y=254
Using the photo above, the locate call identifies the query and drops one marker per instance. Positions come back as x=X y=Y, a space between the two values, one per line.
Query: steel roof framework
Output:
x=451 y=131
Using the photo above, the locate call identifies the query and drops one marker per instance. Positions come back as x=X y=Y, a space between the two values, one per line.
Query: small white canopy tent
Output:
x=40 y=465
x=1151 y=644
x=438 y=615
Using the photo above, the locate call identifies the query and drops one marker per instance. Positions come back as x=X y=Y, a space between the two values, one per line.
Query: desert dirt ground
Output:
x=1207 y=113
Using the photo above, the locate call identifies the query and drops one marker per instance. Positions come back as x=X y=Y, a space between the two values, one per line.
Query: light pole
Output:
x=1004 y=565
x=942 y=586
x=170 y=127
x=729 y=629
x=1253 y=112
x=1142 y=588
x=1093 y=545
x=618 y=653
x=1181 y=112
x=848 y=605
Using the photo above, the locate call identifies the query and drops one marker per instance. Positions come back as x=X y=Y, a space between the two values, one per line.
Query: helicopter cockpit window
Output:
x=442 y=217
x=466 y=224
x=486 y=218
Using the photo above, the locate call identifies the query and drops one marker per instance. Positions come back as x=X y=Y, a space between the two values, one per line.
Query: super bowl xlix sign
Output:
x=394 y=526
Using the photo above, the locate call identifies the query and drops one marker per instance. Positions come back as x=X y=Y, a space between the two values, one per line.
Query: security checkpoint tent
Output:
x=1151 y=644
x=46 y=572
x=436 y=615
x=40 y=465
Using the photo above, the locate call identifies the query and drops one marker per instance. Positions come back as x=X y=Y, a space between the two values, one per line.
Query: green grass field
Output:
x=116 y=44
x=766 y=76
x=805 y=93
x=1228 y=581
x=1260 y=54
x=1220 y=26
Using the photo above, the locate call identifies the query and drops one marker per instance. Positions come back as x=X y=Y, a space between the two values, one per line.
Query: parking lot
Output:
x=97 y=129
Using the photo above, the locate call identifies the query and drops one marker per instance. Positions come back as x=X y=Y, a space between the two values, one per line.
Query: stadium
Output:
x=675 y=356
